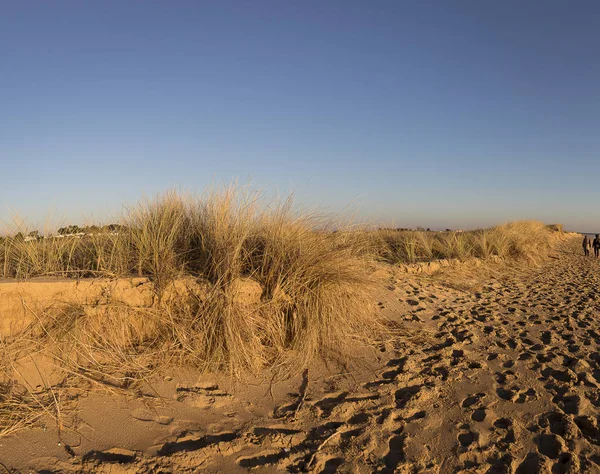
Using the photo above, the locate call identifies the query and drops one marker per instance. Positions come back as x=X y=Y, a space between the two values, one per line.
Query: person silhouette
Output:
x=596 y=245
x=586 y=245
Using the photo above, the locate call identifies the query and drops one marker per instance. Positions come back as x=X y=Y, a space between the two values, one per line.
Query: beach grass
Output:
x=238 y=284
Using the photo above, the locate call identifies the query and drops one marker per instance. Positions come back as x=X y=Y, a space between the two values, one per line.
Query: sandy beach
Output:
x=299 y=237
x=492 y=370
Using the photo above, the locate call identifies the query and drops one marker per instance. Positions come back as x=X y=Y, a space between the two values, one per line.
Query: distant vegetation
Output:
x=528 y=240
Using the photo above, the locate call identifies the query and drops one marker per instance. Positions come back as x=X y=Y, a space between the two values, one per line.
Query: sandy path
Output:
x=499 y=380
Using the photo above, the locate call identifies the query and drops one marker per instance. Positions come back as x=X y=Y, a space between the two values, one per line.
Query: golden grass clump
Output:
x=22 y=258
x=25 y=256
x=312 y=285
x=556 y=228
x=238 y=285
x=528 y=240
x=113 y=344
x=315 y=286
x=19 y=407
x=522 y=240
x=158 y=232
x=20 y=404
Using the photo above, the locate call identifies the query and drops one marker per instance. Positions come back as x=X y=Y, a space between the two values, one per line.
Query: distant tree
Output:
x=71 y=229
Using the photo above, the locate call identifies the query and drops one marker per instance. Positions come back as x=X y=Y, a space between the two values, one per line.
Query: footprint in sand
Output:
x=404 y=395
x=466 y=438
x=550 y=445
x=504 y=430
x=570 y=404
x=150 y=416
x=526 y=396
x=395 y=454
x=534 y=463
x=473 y=399
x=479 y=414
x=505 y=377
x=507 y=394
x=559 y=424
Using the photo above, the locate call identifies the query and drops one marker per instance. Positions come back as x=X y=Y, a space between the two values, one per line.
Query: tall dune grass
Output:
x=525 y=240
x=311 y=286
x=224 y=234
x=238 y=283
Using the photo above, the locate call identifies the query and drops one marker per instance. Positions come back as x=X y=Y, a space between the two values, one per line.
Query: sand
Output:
x=493 y=372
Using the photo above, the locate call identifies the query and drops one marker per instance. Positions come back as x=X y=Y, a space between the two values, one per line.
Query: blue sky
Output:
x=432 y=113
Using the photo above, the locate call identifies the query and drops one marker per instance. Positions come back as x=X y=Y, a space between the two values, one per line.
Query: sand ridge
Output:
x=502 y=378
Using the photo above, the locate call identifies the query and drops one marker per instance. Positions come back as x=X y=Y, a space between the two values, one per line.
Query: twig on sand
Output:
x=302 y=395
x=270 y=389
x=312 y=458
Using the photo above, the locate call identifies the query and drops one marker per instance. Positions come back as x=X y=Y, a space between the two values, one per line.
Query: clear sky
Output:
x=433 y=113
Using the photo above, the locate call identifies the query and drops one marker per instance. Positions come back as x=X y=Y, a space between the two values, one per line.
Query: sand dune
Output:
x=497 y=376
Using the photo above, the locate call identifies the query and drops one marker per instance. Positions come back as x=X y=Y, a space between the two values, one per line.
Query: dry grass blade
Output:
x=20 y=404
